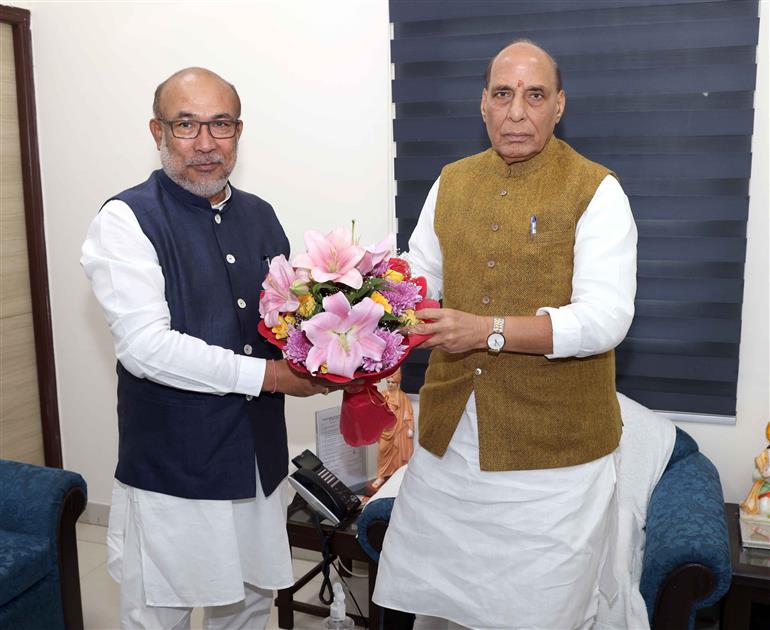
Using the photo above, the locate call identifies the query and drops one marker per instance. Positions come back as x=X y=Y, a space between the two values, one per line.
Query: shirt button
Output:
x=241 y=302
x=230 y=258
x=490 y=263
x=477 y=371
x=495 y=227
x=486 y=299
x=503 y=193
x=249 y=397
x=217 y=219
x=247 y=349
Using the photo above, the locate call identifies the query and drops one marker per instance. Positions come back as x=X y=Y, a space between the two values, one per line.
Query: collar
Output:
x=186 y=197
x=497 y=164
x=220 y=207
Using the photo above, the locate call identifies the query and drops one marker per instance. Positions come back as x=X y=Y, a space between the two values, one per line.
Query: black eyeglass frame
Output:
x=201 y=124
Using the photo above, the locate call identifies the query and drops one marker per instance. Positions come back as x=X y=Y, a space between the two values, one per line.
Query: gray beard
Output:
x=206 y=189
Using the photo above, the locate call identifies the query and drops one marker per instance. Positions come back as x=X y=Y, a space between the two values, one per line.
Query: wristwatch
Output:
x=496 y=341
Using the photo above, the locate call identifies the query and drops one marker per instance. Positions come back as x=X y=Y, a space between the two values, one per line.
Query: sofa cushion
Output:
x=685 y=445
x=24 y=560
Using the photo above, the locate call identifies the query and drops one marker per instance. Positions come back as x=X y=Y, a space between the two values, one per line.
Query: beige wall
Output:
x=314 y=78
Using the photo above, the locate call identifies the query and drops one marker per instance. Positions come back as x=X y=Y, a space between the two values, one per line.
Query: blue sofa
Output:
x=39 y=582
x=686 y=557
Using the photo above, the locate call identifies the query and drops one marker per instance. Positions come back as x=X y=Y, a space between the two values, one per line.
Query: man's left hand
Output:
x=452 y=330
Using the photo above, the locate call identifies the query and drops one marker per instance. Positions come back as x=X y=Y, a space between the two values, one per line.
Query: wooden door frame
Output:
x=19 y=20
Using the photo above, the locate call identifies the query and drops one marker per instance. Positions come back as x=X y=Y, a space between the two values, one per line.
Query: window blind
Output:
x=661 y=92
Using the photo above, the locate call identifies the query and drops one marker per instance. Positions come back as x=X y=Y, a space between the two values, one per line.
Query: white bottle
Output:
x=337 y=619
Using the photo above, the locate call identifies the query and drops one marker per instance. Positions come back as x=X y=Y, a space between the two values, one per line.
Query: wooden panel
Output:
x=20 y=423
x=19 y=403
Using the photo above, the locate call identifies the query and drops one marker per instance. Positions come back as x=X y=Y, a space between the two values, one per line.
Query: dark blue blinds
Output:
x=660 y=91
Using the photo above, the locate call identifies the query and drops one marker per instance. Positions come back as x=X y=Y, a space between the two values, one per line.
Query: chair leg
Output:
x=396 y=620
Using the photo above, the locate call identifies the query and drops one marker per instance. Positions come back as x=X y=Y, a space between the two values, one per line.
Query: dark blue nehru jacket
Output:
x=187 y=444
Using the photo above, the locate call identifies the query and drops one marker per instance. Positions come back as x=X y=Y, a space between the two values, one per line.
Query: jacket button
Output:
x=477 y=371
x=241 y=302
x=503 y=193
x=217 y=218
x=490 y=263
x=486 y=299
x=230 y=258
x=249 y=397
x=247 y=349
x=495 y=227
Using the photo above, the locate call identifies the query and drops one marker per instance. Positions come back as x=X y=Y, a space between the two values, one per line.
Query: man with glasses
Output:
x=198 y=513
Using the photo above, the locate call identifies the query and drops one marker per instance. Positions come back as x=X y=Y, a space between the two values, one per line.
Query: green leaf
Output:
x=329 y=286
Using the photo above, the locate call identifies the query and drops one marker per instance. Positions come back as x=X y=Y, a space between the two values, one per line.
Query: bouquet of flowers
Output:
x=336 y=312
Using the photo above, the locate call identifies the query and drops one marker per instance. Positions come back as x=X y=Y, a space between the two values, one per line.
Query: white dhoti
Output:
x=171 y=554
x=497 y=550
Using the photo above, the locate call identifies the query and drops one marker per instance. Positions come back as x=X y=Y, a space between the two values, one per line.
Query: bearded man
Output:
x=198 y=513
x=504 y=513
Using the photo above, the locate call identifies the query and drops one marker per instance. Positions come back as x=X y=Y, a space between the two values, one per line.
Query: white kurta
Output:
x=193 y=552
x=518 y=549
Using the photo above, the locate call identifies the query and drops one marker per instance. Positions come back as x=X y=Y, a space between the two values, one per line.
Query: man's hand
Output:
x=452 y=330
x=279 y=377
x=456 y=331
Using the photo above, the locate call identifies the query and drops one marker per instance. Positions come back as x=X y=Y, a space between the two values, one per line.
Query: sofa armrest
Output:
x=47 y=502
x=32 y=497
x=372 y=524
x=686 y=562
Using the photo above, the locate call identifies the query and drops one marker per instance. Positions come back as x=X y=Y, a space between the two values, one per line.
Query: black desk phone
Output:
x=323 y=492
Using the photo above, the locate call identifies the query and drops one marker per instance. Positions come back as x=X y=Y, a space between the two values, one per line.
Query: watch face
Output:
x=495 y=342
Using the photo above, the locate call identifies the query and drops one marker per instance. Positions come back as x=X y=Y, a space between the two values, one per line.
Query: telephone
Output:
x=323 y=492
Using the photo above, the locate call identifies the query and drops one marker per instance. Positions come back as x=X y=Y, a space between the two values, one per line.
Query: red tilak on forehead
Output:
x=520 y=83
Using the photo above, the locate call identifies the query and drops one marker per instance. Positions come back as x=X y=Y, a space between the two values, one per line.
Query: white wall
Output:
x=314 y=80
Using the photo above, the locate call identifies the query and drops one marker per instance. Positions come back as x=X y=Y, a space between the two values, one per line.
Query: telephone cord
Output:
x=352 y=573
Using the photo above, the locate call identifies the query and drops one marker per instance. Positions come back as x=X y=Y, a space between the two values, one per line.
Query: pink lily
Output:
x=342 y=336
x=375 y=254
x=279 y=296
x=332 y=258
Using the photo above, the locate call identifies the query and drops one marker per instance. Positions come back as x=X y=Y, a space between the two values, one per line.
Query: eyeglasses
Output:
x=188 y=129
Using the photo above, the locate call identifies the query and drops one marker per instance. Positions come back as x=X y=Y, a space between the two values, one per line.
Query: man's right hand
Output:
x=281 y=378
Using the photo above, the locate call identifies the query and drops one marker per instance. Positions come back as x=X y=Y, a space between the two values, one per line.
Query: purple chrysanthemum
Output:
x=394 y=350
x=401 y=296
x=297 y=345
x=380 y=268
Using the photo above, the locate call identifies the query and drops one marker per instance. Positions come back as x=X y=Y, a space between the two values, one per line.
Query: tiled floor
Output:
x=101 y=595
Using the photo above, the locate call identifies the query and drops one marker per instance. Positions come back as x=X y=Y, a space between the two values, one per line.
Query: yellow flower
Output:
x=408 y=318
x=394 y=276
x=381 y=299
x=282 y=329
x=307 y=305
x=324 y=368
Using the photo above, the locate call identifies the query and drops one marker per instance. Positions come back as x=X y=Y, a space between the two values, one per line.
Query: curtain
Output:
x=659 y=91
